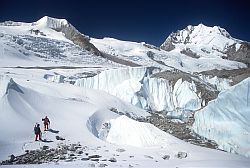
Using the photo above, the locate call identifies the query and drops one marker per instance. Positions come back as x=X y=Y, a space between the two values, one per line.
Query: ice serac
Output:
x=226 y=119
x=109 y=80
x=134 y=85
x=70 y=32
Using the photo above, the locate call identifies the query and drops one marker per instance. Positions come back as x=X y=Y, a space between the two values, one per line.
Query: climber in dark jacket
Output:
x=37 y=132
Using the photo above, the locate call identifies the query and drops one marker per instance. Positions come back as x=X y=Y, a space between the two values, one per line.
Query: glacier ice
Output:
x=226 y=119
x=135 y=85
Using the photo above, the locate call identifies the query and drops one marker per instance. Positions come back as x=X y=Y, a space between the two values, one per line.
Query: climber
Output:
x=46 y=123
x=37 y=131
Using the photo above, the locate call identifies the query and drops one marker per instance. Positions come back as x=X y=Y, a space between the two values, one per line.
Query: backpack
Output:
x=36 y=130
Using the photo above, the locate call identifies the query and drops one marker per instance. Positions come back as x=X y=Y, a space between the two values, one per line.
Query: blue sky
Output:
x=135 y=20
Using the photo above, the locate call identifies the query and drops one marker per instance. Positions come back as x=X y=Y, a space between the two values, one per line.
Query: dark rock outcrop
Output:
x=241 y=55
x=77 y=38
x=190 y=53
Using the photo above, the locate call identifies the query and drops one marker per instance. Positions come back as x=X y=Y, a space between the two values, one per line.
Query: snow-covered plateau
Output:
x=95 y=92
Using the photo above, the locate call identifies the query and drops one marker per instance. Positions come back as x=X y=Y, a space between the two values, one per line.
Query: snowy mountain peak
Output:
x=69 y=31
x=197 y=33
x=202 y=35
x=50 y=22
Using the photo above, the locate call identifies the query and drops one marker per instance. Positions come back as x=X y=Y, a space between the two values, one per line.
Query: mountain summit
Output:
x=199 y=40
x=70 y=32
x=200 y=35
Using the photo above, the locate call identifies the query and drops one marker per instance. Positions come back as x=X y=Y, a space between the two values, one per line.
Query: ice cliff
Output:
x=226 y=119
x=135 y=85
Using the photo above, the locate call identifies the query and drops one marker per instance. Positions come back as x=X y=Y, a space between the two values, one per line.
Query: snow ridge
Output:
x=50 y=22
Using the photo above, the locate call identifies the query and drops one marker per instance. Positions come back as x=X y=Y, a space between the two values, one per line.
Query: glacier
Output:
x=134 y=85
x=226 y=119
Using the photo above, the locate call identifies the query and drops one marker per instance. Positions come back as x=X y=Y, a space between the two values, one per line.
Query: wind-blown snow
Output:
x=226 y=119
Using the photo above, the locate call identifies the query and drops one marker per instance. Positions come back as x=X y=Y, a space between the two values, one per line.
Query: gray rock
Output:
x=59 y=138
x=45 y=147
x=120 y=150
x=72 y=154
x=79 y=152
x=62 y=157
x=103 y=165
x=181 y=155
x=12 y=158
x=147 y=156
x=112 y=160
x=84 y=159
x=94 y=156
x=91 y=165
x=166 y=157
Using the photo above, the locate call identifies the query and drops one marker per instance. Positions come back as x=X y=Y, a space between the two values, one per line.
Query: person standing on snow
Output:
x=37 y=131
x=46 y=123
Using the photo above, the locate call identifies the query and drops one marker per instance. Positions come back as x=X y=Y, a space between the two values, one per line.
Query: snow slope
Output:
x=148 y=55
x=79 y=114
x=41 y=44
x=83 y=114
x=226 y=119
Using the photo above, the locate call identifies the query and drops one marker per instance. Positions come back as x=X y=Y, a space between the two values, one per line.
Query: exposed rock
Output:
x=180 y=130
x=94 y=156
x=45 y=147
x=103 y=165
x=241 y=55
x=84 y=159
x=94 y=159
x=190 y=53
x=120 y=150
x=77 y=38
x=166 y=157
x=12 y=158
x=113 y=159
x=181 y=155
x=168 y=44
x=79 y=152
x=91 y=165
x=236 y=75
x=147 y=156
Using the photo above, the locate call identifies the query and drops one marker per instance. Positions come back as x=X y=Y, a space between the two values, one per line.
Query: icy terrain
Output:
x=148 y=55
x=79 y=115
x=226 y=119
x=135 y=86
x=93 y=100
x=39 y=44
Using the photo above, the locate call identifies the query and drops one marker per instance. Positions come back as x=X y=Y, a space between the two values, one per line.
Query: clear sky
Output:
x=150 y=21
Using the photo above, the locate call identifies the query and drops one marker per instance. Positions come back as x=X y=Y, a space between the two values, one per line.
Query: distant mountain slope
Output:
x=203 y=41
x=48 y=41
x=149 y=55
